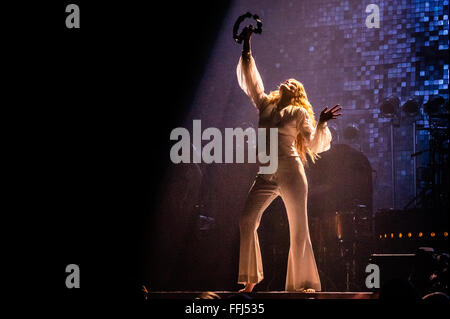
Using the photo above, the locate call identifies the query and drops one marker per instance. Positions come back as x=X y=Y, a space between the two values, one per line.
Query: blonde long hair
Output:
x=300 y=99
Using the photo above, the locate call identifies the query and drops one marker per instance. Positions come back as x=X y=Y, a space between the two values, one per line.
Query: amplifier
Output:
x=393 y=266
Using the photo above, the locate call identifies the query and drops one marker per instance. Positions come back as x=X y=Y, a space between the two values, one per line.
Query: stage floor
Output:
x=264 y=295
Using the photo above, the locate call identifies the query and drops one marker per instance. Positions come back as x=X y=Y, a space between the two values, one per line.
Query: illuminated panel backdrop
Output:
x=327 y=46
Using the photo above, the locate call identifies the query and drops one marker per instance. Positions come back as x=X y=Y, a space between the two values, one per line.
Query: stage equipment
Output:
x=434 y=191
x=344 y=246
x=340 y=214
x=433 y=106
x=239 y=38
x=422 y=272
x=351 y=131
x=393 y=267
x=389 y=106
x=411 y=107
x=399 y=231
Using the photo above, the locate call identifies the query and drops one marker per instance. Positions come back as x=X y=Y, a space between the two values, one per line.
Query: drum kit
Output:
x=341 y=241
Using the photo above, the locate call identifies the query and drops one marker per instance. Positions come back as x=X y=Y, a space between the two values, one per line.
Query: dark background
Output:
x=99 y=103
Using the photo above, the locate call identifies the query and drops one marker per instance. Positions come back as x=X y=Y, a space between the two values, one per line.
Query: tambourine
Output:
x=240 y=37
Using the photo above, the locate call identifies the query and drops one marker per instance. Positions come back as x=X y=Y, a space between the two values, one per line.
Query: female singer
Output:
x=289 y=110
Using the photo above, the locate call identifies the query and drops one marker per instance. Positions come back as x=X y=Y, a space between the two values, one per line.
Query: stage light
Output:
x=400 y=235
x=411 y=107
x=385 y=235
x=433 y=105
x=420 y=234
x=445 y=234
x=381 y=236
x=409 y=235
x=351 y=131
x=392 y=235
x=390 y=106
x=432 y=234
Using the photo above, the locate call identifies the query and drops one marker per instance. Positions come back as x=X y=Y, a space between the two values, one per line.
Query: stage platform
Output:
x=263 y=295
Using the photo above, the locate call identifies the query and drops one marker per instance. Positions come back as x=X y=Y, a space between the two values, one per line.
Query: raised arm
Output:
x=248 y=76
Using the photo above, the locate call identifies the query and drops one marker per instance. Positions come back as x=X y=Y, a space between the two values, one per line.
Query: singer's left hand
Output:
x=328 y=114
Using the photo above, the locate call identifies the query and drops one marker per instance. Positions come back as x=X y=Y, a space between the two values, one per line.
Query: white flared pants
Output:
x=290 y=183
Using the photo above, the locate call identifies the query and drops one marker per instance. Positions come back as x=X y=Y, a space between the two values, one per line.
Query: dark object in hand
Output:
x=239 y=38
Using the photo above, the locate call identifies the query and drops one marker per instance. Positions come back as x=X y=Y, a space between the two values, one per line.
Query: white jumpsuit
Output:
x=289 y=182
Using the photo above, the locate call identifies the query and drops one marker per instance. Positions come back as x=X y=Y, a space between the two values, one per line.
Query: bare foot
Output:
x=307 y=290
x=248 y=287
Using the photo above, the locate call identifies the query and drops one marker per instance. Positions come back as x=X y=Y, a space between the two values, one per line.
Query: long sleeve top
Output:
x=290 y=121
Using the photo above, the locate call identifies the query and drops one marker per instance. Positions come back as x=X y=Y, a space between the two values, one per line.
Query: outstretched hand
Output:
x=328 y=114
